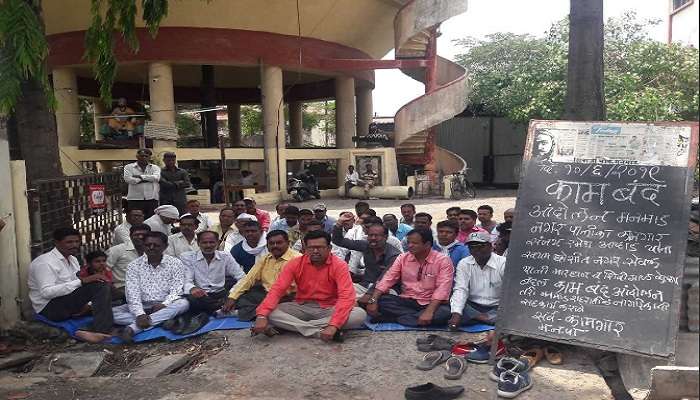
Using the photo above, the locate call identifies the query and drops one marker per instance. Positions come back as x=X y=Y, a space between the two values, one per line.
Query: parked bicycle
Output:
x=460 y=186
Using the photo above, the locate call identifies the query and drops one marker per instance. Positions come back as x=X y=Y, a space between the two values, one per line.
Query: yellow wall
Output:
x=366 y=25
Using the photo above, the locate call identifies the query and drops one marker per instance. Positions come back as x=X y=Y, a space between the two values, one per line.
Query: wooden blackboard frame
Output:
x=671 y=331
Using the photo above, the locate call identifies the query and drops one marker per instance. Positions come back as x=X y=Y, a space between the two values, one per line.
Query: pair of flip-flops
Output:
x=434 y=343
x=455 y=366
x=186 y=324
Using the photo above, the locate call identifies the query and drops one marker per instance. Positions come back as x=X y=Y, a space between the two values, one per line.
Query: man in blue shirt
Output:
x=448 y=244
x=320 y=212
x=397 y=229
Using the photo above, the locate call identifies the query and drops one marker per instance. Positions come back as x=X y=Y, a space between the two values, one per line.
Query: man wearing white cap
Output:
x=254 y=247
x=236 y=237
x=477 y=288
x=163 y=219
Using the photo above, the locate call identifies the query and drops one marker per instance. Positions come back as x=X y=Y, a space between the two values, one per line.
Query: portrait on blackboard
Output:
x=544 y=146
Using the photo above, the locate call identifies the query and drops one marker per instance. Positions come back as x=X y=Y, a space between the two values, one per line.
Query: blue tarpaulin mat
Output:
x=391 y=326
x=72 y=325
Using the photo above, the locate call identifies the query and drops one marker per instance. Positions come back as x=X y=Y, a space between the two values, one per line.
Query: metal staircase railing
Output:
x=415 y=26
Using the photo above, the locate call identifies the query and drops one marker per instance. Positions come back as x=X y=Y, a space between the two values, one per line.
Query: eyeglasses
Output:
x=314 y=249
x=477 y=245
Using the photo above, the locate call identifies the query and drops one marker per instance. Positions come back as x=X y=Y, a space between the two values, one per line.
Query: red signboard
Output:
x=97 y=196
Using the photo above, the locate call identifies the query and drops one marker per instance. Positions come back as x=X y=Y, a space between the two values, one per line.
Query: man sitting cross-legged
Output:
x=377 y=254
x=250 y=291
x=478 y=283
x=153 y=289
x=209 y=274
x=57 y=293
x=426 y=282
x=325 y=298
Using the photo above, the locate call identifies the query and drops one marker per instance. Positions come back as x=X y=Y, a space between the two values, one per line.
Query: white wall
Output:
x=685 y=25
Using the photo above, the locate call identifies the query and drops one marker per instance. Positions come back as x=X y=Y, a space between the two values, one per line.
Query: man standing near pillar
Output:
x=142 y=178
x=173 y=182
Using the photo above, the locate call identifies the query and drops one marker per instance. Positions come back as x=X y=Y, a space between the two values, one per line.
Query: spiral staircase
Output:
x=415 y=31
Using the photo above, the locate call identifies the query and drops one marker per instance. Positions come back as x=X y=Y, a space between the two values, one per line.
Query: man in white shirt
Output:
x=154 y=285
x=209 y=274
x=57 y=293
x=351 y=179
x=185 y=240
x=204 y=224
x=225 y=227
x=143 y=178
x=477 y=289
x=121 y=232
x=163 y=219
x=120 y=256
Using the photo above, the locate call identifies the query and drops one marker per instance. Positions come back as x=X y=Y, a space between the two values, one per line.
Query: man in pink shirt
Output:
x=262 y=215
x=426 y=284
x=325 y=296
x=467 y=225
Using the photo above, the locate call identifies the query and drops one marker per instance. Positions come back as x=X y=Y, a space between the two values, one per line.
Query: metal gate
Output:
x=64 y=202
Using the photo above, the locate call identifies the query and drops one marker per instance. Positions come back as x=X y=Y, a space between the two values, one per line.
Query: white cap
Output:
x=246 y=217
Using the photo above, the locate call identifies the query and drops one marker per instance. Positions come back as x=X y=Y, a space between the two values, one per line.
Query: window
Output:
x=679 y=3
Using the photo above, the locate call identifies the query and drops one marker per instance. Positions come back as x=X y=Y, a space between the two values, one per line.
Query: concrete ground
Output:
x=367 y=366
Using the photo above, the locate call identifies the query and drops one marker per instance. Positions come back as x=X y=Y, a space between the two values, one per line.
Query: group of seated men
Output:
x=304 y=272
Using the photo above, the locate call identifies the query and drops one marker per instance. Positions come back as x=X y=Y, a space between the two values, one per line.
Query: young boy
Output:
x=96 y=263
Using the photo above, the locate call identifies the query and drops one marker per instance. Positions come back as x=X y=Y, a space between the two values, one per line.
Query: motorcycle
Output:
x=303 y=187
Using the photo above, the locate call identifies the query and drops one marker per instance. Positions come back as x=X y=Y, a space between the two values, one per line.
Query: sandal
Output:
x=553 y=355
x=533 y=355
x=433 y=359
x=455 y=367
x=426 y=339
x=438 y=343
x=462 y=349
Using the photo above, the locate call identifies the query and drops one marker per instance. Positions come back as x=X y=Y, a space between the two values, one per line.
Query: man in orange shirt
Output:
x=325 y=298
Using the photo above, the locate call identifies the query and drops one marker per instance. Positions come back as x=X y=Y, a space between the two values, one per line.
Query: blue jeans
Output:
x=473 y=310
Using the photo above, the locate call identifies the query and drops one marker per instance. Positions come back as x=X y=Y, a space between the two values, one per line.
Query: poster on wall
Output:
x=97 y=198
x=598 y=244
x=369 y=168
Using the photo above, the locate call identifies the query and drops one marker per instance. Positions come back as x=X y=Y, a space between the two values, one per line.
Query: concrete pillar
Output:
x=234 y=124
x=162 y=98
x=210 y=125
x=9 y=274
x=23 y=234
x=296 y=128
x=344 y=120
x=273 y=128
x=365 y=110
x=65 y=86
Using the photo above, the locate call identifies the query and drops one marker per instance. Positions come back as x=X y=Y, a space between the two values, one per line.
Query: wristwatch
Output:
x=371 y=300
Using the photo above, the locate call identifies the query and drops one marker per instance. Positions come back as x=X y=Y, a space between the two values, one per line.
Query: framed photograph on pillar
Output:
x=369 y=168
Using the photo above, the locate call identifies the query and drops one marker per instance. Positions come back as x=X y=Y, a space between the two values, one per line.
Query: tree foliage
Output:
x=23 y=51
x=524 y=77
x=23 y=45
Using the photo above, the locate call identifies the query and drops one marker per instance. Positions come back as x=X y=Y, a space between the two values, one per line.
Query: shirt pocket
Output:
x=428 y=281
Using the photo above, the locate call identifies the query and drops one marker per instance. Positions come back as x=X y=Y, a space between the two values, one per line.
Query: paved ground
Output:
x=500 y=200
x=367 y=366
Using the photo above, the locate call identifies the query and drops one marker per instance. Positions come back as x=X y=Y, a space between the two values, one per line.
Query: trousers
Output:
x=122 y=315
x=309 y=318
x=473 y=310
x=99 y=293
x=406 y=311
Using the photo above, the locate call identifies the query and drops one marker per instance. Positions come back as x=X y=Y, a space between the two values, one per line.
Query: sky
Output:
x=394 y=89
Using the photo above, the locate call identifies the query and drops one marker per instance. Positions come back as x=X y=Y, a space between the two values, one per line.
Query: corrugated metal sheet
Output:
x=468 y=138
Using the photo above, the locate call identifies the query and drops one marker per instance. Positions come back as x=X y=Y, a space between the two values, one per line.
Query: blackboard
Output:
x=599 y=235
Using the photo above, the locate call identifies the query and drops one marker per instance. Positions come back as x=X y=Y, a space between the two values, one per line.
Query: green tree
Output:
x=251 y=120
x=523 y=77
